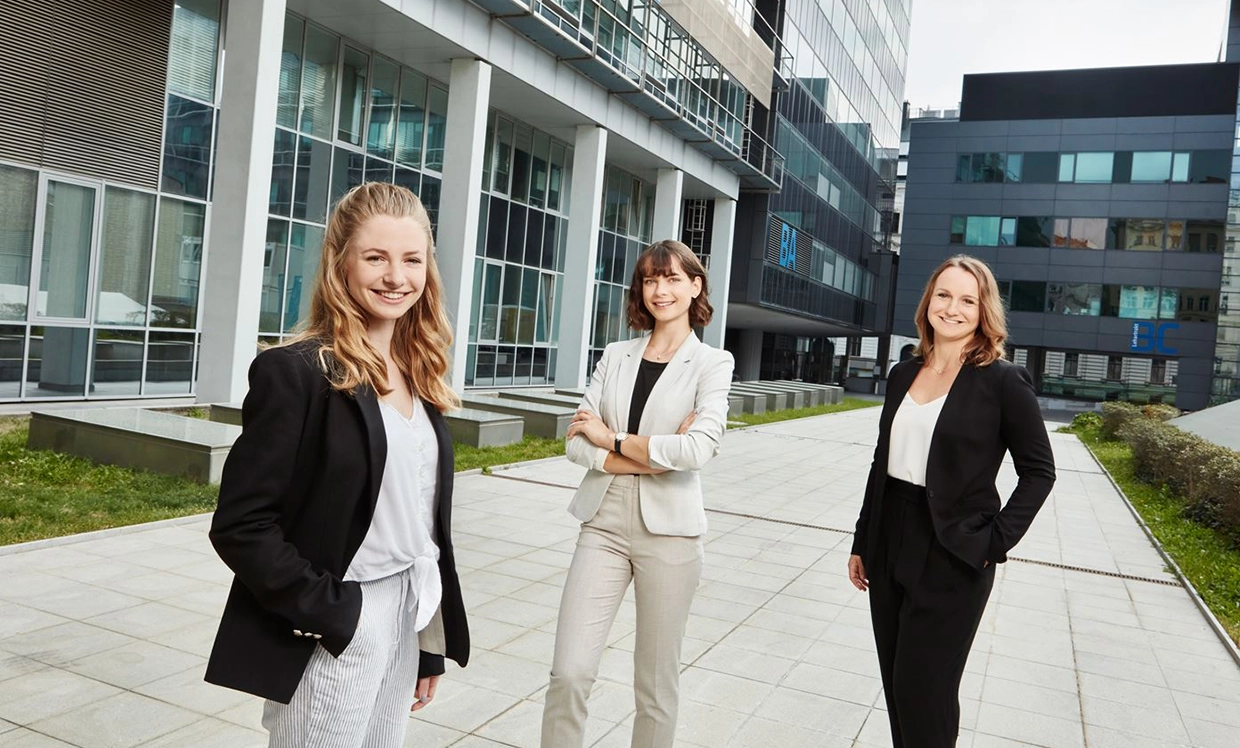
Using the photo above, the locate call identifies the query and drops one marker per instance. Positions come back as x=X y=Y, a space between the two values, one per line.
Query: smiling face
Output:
x=954 y=312
x=385 y=267
x=668 y=297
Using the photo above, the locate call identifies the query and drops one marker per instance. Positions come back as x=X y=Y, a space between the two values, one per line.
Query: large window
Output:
x=194 y=48
x=1132 y=234
x=125 y=264
x=18 y=197
x=1095 y=167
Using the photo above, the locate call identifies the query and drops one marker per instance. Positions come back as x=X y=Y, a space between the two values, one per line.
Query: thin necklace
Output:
x=937 y=369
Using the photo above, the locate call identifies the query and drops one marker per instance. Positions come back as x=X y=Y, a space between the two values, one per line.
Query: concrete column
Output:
x=749 y=357
x=237 y=231
x=667 y=204
x=469 y=94
x=585 y=210
x=719 y=274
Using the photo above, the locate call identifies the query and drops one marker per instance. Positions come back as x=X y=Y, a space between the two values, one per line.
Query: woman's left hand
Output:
x=425 y=692
x=590 y=426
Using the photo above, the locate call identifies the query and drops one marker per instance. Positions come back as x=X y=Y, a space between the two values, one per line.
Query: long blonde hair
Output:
x=986 y=347
x=423 y=336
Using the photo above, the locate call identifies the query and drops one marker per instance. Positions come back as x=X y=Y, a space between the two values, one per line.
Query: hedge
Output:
x=1205 y=476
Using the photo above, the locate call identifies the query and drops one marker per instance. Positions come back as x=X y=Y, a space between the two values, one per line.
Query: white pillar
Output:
x=469 y=94
x=667 y=198
x=585 y=209
x=237 y=234
x=719 y=274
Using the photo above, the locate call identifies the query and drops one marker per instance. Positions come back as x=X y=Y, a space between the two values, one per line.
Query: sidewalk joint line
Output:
x=824 y=528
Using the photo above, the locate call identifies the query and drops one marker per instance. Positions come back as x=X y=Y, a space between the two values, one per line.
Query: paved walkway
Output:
x=103 y=640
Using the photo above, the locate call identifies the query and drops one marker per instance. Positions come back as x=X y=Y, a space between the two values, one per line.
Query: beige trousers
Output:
x=613 y=548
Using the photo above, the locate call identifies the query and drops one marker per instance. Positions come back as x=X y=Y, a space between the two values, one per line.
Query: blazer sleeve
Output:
x=580 y=450
x=693 y=449
x=246 y=530
x=1024 y=433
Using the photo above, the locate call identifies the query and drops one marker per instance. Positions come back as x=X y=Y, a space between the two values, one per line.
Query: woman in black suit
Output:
x=932 y=526
x=335 y=504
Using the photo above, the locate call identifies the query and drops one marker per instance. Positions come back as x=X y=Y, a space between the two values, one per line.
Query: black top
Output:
x=647 y=374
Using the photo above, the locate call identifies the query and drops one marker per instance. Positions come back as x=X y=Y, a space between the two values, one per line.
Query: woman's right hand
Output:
x=685 y=424
x=856 y=573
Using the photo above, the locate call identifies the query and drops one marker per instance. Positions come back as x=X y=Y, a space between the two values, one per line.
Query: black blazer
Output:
x=296 y=499
x=990 y=410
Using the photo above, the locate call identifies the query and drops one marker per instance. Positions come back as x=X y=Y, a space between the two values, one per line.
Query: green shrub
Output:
x=1115 y=415
x=1203 y=476
x=1160 y=411
x=1082 y=421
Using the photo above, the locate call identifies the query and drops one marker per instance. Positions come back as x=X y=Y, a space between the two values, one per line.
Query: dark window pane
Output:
x=436 y=126
x=547 y=254
x=57 y=362
x=117 y=367
x=1122 y=173
x=311 y=189
x=411 y=121
x=187 y=147
x=273 y=275
x=1035 y=231
x=533 y=237
x=1082 y=299
x=430 y=200
x=1209 y=166
x=280 y=201
x=353 y=85
x=497 y=228
x=510 y=305
x=347 y=172
x=521 y=162
x=964 y=168
x=290 y=72
x=956 y=235
x=169 y=364
x=1028 y=296
x=178 y=264
x=410 y=180
x=384 y=85
x=378 y=171
x=1205 y=236
x=1040 y=167
x=514 y=249
x=1197 y=304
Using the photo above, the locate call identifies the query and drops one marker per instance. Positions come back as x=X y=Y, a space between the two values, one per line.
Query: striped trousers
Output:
x=360 y=699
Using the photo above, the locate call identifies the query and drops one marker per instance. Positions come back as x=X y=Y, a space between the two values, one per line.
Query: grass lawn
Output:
x=1209 y=561
x=850 y=403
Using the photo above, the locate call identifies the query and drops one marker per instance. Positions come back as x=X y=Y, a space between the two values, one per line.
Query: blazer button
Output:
x=297 y=632
x=929 y=494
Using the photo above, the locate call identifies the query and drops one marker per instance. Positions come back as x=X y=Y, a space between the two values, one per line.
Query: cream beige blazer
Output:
x=696 y=378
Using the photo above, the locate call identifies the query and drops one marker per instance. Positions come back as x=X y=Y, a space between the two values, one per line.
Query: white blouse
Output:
x=911 y=432
x=401 y=533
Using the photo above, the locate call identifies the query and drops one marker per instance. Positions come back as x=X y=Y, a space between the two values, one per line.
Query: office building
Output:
x=166 y=171
x=1100 y=200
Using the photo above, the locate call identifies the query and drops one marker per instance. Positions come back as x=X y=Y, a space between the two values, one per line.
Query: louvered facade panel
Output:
x=84 y=86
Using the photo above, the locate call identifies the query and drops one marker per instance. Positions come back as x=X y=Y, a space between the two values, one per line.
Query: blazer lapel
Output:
x=626 y=378
x=675 y=369
x=368 y=403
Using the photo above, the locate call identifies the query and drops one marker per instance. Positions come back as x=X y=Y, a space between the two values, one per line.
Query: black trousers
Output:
x=925 y=605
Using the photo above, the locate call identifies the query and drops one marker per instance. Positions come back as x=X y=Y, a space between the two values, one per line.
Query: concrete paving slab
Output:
x=1088 y=639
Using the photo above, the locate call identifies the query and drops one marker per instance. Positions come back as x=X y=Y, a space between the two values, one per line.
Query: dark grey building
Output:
x=1100 y=200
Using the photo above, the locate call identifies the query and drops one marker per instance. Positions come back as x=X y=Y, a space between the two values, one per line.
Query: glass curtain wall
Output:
x=1226 y=383
x=627 y=220
x=115 y=270
x=345 y=115
x=519 y=270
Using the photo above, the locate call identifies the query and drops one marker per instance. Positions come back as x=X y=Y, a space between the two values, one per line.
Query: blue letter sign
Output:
x=1148 y=337
x=787 y=247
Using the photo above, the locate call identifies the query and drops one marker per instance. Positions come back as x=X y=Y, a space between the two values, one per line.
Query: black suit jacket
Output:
x=990 y=410
x=297 y=495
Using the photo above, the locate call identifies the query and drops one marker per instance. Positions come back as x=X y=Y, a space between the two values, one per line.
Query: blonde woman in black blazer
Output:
x=932 y=524
x=346 y=597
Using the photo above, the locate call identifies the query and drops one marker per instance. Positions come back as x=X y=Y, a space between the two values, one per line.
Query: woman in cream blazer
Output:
x=640 y=502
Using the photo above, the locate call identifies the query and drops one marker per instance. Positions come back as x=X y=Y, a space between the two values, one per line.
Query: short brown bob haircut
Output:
x=986 y=347
x=661 y=259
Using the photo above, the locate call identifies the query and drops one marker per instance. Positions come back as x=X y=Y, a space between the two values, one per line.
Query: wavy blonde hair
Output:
x=423 y=336
x=987 y=344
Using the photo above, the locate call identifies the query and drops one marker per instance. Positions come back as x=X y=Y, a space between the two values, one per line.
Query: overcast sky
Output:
x=954 y=37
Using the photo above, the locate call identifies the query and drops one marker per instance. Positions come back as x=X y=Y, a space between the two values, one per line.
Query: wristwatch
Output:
x=620 y=436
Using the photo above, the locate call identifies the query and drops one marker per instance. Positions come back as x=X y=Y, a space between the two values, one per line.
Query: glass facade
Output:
x=1095 y=376
x=519 y=270
x=1226 y=382
x=1111 y=300
x=1098 y=167
x=1132 y=234
x=628 y=215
